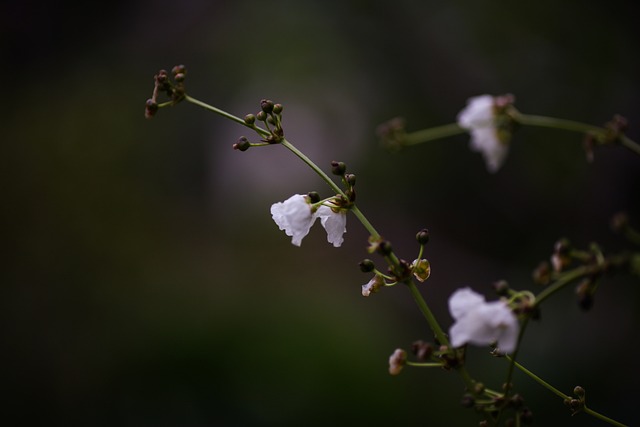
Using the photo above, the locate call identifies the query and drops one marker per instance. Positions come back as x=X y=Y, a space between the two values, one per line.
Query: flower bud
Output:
x=366 y=265
x=266 y=106
x=179 y=77
x=350 y=179
x=150 y=109
x=501 y=287
x=261 y=115
x=578 y=391
x=467 y=401
x=423 y=236
x=314 y=197
x=277 y=109
x=385 y=248
x=179 y=69
x=243 y=144
x=338 y=168
x=250 y=119
x=422 y=350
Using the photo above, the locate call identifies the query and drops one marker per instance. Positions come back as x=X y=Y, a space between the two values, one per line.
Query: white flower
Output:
x=334 y=223
x=295 y=217
x=479 y=118
x=482 y=323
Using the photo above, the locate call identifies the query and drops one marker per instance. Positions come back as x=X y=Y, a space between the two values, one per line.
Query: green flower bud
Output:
x=366 y=265
x=277 y=108
x=266 y=106
x=423 y=236
x=250 y=119
x=338 y=168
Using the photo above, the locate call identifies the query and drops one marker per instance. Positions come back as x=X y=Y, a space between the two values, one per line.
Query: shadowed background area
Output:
x=145 y=284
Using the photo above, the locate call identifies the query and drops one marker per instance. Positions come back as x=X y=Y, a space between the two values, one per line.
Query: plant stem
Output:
x=562 y=395
x=223 y=113
x=564 y=280
x=431 y=134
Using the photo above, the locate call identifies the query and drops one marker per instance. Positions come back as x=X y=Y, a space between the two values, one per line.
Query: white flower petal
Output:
x=462 y=301
x=294 y=217
x=335 y=224
x=482 y=323
x=478 y=117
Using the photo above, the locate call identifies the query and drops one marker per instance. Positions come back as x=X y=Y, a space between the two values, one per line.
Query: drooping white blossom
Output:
x=479 y=118
x=334 y=223
x=295 y=217
x=482 y=323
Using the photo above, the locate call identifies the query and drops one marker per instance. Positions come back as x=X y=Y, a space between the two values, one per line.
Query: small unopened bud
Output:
x=179 y=69
x=397 y=361
x=338 y=168
x=422 y=350
x=314 y=197
x=250 y=119
x=179 y=77
x=350 y=179
x=385 y=247
x=151 y=108
x=277 y=109
x=542 y=273
x=578 y=391
x=423 y=236
x=261 y=115
x=266 y=106
x=366 y=265
x=243 y=144
x=467 y=401
x=501 y=287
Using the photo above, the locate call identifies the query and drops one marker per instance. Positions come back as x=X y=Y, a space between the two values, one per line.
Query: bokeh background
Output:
x=145 y=284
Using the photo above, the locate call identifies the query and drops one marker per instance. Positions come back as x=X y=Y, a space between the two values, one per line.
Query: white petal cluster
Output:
x=295 y=217
x=482 y=323
x=478 y=117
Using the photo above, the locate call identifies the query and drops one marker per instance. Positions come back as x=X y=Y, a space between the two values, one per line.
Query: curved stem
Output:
x=223 y=113
x=564 y=280
x=561 y=394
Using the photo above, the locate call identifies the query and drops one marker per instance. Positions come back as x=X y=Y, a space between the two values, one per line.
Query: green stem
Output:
x=562 y=395
x=564 y=280
x=223 y=113
x=554 y=123
x=427 y=313
x=431 y=134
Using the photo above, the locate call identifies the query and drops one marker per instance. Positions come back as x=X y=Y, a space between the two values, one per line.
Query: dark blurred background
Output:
x=145 y=284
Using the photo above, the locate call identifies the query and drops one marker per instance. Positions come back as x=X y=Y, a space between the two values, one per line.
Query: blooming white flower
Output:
x=482 y=323
x=295 y=217
x=479 y=118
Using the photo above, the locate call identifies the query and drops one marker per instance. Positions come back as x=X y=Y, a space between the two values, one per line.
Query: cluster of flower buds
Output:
x=271 y=115
x=174 y=89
